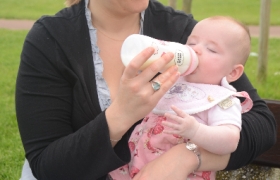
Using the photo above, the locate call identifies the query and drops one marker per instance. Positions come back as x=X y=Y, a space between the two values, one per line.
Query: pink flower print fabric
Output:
x=147 y=143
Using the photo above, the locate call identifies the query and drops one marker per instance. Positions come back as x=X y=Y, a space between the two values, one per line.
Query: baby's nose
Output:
x=197 y=49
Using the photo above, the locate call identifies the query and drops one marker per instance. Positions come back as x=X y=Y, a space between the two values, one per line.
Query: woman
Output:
x=77 y=104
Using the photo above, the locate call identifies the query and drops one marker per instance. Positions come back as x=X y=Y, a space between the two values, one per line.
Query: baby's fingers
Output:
x=171 y=125
x=179 y=112
x=175 y=118
x=170 y=132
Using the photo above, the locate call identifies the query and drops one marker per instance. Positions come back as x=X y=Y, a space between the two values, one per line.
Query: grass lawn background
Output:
x=248 y=11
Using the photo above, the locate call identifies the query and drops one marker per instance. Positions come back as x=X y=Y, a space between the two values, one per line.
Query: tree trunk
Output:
x=172 y=3
x=264 y=38
x=187 y=4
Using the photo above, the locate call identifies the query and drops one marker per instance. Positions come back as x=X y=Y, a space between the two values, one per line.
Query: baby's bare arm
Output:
x=221 y=139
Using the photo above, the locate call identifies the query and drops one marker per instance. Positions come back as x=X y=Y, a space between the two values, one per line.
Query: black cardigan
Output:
x=64 y=133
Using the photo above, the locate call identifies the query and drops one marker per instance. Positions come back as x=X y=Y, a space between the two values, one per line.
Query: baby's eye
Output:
x=191 y=42
x=212 y=50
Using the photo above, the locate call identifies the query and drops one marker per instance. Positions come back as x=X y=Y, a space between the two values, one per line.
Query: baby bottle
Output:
x=184 y=56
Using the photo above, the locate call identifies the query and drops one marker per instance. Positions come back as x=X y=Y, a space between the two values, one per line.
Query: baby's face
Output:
x=214 y=44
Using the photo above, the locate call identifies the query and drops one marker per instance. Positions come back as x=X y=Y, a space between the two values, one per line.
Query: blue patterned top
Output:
x=102 y=87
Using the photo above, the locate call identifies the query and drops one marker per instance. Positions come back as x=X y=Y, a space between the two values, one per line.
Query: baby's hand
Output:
x=185 y=126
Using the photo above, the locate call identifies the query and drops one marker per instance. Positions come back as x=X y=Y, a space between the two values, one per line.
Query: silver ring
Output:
x=155 y=85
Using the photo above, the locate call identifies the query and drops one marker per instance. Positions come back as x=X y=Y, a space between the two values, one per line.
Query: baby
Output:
x=201 y=109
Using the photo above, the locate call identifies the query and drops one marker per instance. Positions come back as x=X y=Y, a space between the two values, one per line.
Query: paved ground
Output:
x=27 y=24
x=16 y=24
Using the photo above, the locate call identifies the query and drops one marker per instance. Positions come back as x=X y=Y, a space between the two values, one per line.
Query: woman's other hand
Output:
x=179 y=162
x=176 y=164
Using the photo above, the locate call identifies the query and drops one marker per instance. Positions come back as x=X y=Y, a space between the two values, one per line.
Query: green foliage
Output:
x=247 y=11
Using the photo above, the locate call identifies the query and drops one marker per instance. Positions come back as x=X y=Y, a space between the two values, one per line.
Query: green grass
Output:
x=29 y=9
x=247 y=11
x=270 y=88
x=11 y=156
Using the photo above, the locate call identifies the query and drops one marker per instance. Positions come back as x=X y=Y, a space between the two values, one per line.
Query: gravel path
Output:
x=27 y=24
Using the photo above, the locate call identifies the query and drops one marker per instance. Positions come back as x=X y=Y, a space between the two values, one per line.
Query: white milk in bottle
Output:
x=184 y=56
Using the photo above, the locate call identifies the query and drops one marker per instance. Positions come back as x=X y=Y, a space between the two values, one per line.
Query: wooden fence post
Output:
x=173 y=4
x=186 y=7
x=263 y=39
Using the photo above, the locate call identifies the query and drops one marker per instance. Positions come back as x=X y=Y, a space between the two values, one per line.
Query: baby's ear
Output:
x=236 y=72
